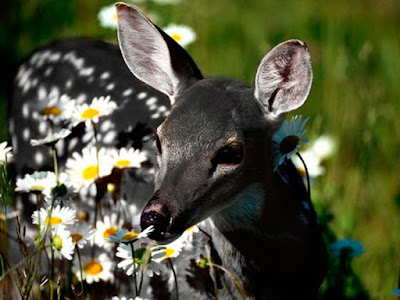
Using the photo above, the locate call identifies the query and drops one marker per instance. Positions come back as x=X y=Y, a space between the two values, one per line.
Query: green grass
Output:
x=355 y=47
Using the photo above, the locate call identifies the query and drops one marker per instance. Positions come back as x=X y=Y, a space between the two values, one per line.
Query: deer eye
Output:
x=158 y=143
x=228 y=155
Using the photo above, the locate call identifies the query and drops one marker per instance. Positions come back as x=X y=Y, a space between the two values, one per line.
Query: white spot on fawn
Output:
x=106 y=125
x=109 y=137
x=42 y=128
x=162 y=109
x=42 y=93
x=127 y=92
x=25 y=110
x=48 y=71
x=72 y=143
x=68 y=84
x=26 y=133
x=86 y=71
x=153 y=107
x=105 y=75
x=141 y=95
x=151 y=101
x=155 y=116
x=110 y=87
x=14 y=140
x=39 y=158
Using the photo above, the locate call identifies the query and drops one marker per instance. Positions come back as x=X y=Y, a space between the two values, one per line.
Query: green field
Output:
x=355 y=46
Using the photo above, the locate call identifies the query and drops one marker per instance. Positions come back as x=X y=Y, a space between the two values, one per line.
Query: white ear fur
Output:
x=284 y=78
x=151 y=55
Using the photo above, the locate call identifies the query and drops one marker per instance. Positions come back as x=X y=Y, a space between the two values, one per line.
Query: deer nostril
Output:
x=159 y=221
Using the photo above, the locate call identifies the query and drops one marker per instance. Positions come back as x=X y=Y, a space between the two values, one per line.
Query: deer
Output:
x=213 y=152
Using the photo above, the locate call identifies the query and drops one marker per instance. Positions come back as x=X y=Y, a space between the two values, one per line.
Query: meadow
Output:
x=355 y=47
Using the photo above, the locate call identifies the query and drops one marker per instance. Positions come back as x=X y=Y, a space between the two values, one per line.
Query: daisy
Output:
x=5 y=153
x=62 y=243
x=350 y=247
x=105 y=228
x=60 y=216
x=171 y=250
x=108 y=17
x=94 y=270
x=99 y=107
x=52 y=138
x=125 y=236
x=53 y=107
x=188 y=233
x=83 y=169
x=38 y=183
x=313 y=164
x=80 y=234
x=323 y=147
x=287 y=140
x=182 y=34
x=126 y=158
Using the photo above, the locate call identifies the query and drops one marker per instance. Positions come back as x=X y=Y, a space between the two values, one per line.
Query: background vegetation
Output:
x=355 y=47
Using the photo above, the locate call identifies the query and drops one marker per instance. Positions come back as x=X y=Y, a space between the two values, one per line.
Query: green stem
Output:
x=134 y=269
x=175 y=278
x=235 y=280
x=55 y=162
x=80 y=267
x=308 y=177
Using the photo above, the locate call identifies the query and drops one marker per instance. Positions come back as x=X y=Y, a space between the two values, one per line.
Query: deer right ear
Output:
x=151 y=55
x=284 y=78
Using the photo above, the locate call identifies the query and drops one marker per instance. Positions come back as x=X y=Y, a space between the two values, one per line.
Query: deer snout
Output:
x=159 y=217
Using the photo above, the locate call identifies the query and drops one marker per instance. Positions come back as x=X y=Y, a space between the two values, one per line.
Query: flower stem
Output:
x=55 y=162
x=308 y=177
x=134 y=269
x=80 y=267
x=175 y=279
x=235 y=280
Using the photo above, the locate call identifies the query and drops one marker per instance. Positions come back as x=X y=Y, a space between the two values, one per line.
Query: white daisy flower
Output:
x=171 y=250
x=94 y=270
x=60 y=216
x=99 y=107
x=125 y=236
x=62 y=243
x=83 y=169
x=182 y=34
x=188 y=233
x=105 y=228
x=323 y=147
x=81 y=234
x=313 y=164
x=38 y=182
x=108 y=17
x=53 y=107
x=126 y=158
x=5 y=153
x=288 y=139
x=51 y=138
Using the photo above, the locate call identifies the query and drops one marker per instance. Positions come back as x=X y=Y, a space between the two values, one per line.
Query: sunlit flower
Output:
x=106 y=228
x=94 y=270
x=323 y=147
x=171 y=250
x=108 y=17
x=61 y=242
x=5 y=153
x=83 y=169
x=99 y=107
x=52 y=138
x=53 y=107
x=350 y=247
x=38 y=182
x=313 y=164
x=60 y=216
x=126 y=158
x=80 y=234
x=188 y=233
x=125 y=236
x=182 y=34
x=288 y=139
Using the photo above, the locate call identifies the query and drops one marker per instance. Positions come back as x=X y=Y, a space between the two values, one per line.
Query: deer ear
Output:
x=151 y=55
x=284 y=78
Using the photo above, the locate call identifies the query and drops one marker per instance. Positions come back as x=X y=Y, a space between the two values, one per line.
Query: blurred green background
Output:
x=355 y=97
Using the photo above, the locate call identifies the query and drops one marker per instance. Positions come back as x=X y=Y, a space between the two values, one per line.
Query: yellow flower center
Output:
x=93 y=268
x=51 y=110
x=57 y=242
x=190 y=228
x=123 y=163
x=90 y=113
x=53 y=220
x=110 y=231
x=37 y=187
x=76 y=237
x=177 y=37
x=169 y=252
x=90 y=172
x=129 y=236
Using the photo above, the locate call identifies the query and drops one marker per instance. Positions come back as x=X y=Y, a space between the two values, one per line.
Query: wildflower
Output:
x=105 y=228
x=160 y=253
x=125 y=236
x=80 y=234
x=53 y=107
x=52 y=138
x=350 y=247
x=38 y=183
x=108 y=17
x=188 y=233
x=182 y=34
x=83 y=168
x=99 y=107
x=5 y=152
x=312 y=162
x=62 y=243
x=323 y=147
x=288 y=139
x=94 y=270
x=60 y=216
x=126 y=158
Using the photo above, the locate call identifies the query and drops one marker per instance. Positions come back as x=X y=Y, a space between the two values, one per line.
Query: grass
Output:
x=355 y=47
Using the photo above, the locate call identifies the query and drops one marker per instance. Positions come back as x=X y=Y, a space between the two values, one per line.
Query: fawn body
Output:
x=214 y=157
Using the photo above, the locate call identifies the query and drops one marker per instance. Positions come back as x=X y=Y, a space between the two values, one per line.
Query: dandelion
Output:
x=5 y=153
x=99 y=107
x=52 y=138
x=62 y=243
x=80 y=234
x=83 y=169
x=106 y=228
x=38 y=183
x=60 y=216
x=288 y=139
x=127 y=158
x=350 y=247
x=94 y=270
x=182 y=34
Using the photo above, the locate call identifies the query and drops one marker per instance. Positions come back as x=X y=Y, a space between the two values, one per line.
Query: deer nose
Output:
x=159 y=220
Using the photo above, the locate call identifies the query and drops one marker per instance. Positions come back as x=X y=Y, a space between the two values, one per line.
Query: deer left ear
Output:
x=284 y=78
